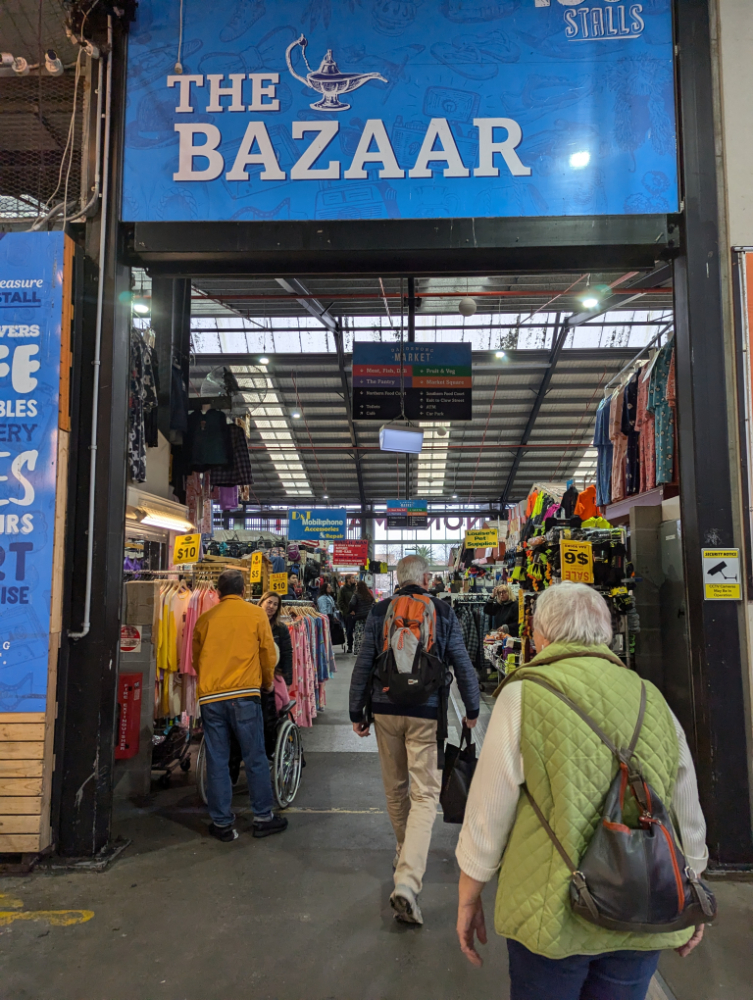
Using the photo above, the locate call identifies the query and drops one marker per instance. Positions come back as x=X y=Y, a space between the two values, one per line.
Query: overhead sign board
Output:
x=722 y=577
x=407 y=514
x=350 y=553
x=485 y=538
x=31 y=302
x=577 y=561
x=317 y=523
x=436 y=380
x=390 y=110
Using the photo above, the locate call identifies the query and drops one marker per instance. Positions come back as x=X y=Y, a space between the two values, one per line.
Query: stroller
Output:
x=170 y=749
x=282 y=738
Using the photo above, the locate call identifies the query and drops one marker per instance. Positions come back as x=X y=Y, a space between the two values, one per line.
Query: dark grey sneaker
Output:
x=223 y=833
x=275 y=825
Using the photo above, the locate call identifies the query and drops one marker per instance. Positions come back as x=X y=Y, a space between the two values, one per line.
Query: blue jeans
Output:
x=616 y=975
x=242 y=716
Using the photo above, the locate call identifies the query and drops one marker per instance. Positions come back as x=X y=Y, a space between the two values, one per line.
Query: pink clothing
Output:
x=620 y=442
x=282 y=695
x=644 y=424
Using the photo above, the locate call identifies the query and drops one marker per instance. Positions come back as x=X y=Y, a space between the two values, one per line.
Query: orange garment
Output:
x=531 y=502
x=586 y=506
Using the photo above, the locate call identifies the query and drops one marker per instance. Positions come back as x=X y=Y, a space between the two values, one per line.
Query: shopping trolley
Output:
x=285 y=752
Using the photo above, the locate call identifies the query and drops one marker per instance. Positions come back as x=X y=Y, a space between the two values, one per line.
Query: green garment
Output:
x=568 y=772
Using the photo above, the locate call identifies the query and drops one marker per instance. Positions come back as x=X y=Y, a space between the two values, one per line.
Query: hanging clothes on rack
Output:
x=632 y=434
x=619 y=442
x=142 y=406
x=313 y=660
x=644 y=424
x=199 y=501
x=238 y=472
x=661 y=402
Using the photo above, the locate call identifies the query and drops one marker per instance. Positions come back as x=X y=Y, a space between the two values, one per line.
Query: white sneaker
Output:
x=396 y=859
x=403 y=901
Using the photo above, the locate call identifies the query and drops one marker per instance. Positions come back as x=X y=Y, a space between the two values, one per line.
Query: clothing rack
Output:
x=640 y=354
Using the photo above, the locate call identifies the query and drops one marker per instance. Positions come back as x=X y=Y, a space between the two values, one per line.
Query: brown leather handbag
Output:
x=631 y=879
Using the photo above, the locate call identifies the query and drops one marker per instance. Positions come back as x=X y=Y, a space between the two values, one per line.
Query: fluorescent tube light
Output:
x=167 y=522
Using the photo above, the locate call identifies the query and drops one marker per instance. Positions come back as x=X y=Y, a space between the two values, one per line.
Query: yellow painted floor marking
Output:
x=12 y=910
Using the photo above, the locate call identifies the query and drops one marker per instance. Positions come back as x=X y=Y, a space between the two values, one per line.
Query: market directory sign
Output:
x=31 y=299
x=337 y=109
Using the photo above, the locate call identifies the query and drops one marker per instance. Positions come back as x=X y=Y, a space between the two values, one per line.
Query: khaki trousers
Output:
x=408 y=755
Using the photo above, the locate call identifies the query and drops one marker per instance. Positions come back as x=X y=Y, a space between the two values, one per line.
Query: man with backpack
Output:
x=400 y=682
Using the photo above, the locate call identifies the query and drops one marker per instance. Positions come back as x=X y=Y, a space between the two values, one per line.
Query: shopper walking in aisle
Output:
x=343 y=605
x=359 y=609
x=538 y=749
x=234 y=656
x=325 y=602
x=502 y=610
x=407 y=736
x=271 y=604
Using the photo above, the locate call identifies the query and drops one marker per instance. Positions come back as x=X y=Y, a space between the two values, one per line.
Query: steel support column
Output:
x=710 y=698
x=87 y=684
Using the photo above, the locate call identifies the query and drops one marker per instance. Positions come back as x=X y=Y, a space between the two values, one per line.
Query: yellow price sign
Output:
x=278 y=583
x=577 y=561
x=483 y=539
x=256 y=563
x=186 y=549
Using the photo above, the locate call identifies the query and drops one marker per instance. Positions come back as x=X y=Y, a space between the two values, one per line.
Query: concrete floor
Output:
x=301 y=916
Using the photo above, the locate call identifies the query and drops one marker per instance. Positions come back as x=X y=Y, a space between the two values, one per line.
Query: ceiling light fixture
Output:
x=167 y=522
x=52 y=64
x=141 y=307
x=263 y=361
x=499 y=354
x=295 y=415
x=590 y=302
x=467 y=306
x=325 y=496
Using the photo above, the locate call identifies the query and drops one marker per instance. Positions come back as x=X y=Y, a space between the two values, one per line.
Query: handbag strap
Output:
x=619 y=754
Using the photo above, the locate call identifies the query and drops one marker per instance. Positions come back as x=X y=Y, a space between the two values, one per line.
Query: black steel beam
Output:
x=558 y=343
x=319 y=312
x=657 y=278
x=710 y=692
x=398 y=246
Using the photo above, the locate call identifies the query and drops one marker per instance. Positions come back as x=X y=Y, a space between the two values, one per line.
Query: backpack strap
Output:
x=625 y=756
x=578 y=879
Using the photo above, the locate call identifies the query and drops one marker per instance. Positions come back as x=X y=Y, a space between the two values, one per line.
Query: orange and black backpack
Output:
x=407 y=669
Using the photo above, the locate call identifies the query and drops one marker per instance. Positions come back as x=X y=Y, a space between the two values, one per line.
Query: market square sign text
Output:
x=362 y=109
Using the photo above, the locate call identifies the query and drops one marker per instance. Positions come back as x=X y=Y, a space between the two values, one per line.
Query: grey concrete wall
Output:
x=646 y=556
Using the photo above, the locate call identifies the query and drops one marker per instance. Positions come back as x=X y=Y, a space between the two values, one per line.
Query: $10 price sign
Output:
x=186 y=549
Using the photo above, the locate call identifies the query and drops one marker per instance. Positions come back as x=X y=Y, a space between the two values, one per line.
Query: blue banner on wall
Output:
x=326 y=523
x=389 y=109
x=31 y=299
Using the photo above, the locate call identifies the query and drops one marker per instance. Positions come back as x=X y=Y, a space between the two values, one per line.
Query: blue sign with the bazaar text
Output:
x=387 y=109
x=31 y=297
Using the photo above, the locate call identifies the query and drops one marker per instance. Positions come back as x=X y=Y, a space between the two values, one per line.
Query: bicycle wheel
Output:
x=287 y=763
x=201 y=771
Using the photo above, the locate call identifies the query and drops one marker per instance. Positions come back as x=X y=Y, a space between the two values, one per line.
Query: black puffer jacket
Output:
x=361 y=606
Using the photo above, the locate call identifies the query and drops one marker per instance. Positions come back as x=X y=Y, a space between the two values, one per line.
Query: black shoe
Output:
x=351 y=651
x=275 y=825
x=223 y=833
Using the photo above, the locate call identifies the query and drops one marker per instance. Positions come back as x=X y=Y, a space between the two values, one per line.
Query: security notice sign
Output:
x=721 y=575
x=577 y=561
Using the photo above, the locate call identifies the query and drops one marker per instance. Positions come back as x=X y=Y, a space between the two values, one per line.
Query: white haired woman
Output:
x=534 y=738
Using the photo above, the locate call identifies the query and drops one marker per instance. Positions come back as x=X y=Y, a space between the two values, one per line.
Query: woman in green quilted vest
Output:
x=535 y=739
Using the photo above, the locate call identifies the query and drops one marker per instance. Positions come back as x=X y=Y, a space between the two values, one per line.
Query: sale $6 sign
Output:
x=577 y=561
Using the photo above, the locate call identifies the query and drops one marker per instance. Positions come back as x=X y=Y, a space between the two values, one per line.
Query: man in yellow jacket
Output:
x=234 y=656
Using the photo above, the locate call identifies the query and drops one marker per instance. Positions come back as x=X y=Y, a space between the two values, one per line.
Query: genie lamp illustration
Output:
x=328 y=80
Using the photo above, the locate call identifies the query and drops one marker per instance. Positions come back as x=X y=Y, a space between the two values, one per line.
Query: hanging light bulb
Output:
x=467 y=306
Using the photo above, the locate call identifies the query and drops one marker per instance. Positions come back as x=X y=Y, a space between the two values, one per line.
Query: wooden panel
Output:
x=21 y=751
x=13 y=733
x=27 y=805
x=19 y=843
x=20 y=824
x=21 y=718
x=20 y=786
x=20 y=769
